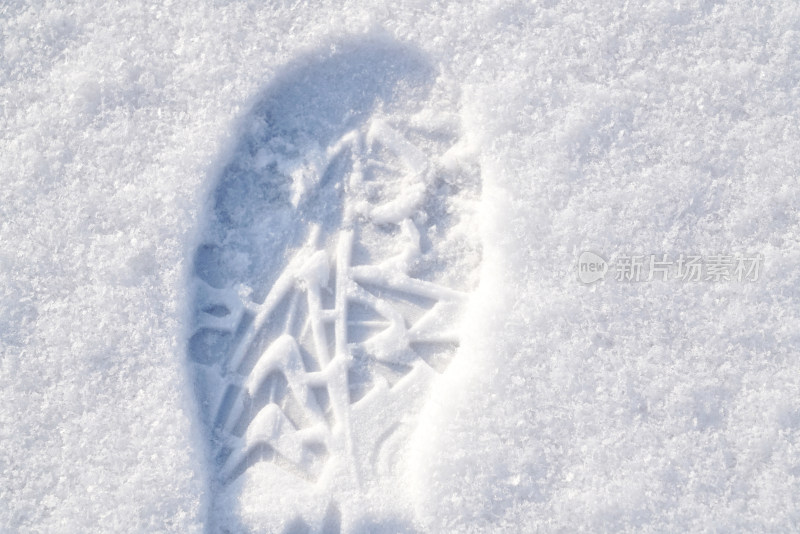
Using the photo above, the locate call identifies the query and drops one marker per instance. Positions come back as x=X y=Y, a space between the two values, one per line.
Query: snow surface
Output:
x=647 y=127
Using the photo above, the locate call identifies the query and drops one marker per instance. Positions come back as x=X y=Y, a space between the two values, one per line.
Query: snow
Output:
x=619 y=128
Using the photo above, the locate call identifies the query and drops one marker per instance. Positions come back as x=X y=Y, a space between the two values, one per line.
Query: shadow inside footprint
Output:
x=273 y=186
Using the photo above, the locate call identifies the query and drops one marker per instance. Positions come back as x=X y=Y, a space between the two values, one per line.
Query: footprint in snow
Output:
x=336 y=260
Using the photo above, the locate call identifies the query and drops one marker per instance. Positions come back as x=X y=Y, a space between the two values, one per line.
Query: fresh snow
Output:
x=620 y=128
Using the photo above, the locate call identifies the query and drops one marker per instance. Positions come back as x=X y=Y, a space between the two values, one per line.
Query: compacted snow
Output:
x=300 y=267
